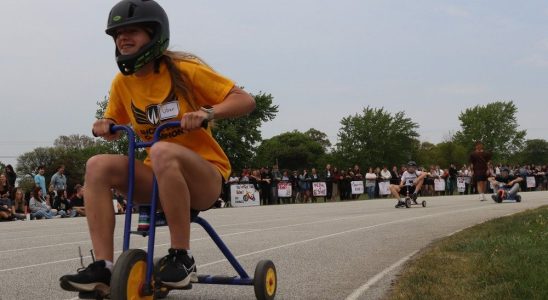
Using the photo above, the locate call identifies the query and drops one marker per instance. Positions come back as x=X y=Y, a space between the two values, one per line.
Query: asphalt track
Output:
x=343 y=250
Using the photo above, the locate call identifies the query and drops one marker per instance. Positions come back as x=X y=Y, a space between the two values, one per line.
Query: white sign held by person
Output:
x=319 y=189
x=244 y=195
x=461 y=184
x=531 y=182
x=439 y=185
x=284 y=189
x=384 y=188
x=357 y=187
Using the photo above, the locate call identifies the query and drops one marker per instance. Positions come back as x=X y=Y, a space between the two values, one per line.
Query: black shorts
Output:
x=429 y=181
x=403 y=190
x=478 y=178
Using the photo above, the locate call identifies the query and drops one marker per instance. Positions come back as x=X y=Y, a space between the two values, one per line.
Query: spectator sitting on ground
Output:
x=19 y=204
x=5 y=202
x=6 y=210
x=63 y=205
x=6 y=205
x=38 y=207
x=77 y=200
x=5 y=188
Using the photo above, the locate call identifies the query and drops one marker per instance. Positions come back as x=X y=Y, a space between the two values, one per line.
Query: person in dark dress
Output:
x=480 y=160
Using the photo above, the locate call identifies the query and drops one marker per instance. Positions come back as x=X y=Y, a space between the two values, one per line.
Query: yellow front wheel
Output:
x=265 y=281
x=128 y=276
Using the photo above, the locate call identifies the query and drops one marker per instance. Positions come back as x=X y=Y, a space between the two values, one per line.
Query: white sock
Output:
x=108 y=265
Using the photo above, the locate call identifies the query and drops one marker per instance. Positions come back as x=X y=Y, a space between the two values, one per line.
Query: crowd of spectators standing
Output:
x=338 y=181
x=51 y=199
x=44 y=201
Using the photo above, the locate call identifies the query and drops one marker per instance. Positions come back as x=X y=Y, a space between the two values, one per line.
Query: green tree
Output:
x=29 y=161
x=239 y=137
x=26 y=183
x=425 y=154
x=376 y=137
x=534 y=152
x=494 y=124
x=443 y=154
x=319 y=137
x=292 y=150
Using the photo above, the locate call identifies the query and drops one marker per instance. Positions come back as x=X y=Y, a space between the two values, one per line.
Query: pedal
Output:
x=92 y=295
x=186 y=288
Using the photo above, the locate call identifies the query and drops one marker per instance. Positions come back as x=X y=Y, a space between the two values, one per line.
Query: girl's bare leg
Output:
x=185 y=181
x=104 y=172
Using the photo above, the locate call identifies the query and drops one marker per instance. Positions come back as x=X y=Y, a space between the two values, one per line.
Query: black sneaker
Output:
x=177 y=270
x=96 y=277
x=414 y=197
x=400 y=204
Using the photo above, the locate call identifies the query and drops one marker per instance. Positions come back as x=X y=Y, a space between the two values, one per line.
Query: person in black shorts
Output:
x=479 y=160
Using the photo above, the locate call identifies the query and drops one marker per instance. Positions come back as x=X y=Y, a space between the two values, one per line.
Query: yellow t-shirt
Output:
x=146 y=102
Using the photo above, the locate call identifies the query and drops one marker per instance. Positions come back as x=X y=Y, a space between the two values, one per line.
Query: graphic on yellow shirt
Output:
x=154 y=114
x=148 y=101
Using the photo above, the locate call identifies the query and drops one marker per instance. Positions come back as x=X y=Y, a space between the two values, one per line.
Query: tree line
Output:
x=372 y=137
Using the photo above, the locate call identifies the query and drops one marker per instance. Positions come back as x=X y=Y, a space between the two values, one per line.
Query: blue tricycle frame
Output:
x=264 y=281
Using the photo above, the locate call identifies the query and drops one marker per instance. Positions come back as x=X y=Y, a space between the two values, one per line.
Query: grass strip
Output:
x=505 y=258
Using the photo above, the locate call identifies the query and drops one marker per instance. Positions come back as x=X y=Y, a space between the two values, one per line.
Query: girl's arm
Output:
x=237 y=103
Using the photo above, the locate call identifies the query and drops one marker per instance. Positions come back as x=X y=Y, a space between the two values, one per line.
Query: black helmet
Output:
x=412 y=163
x=145 y=12
x=505 y=169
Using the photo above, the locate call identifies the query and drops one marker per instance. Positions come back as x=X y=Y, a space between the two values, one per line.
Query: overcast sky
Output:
x=321 y=60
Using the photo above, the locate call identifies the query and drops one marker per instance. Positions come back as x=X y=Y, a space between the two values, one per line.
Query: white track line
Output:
x=362 y=289
x=87 y=231
x=276 y=247
x=336 y=234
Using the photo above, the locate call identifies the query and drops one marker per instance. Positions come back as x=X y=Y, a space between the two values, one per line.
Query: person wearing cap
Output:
x=411 y=182
x=154 y=86
x=506 y=185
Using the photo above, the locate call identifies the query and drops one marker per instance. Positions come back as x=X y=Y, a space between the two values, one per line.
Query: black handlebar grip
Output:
x=109 y=129
x=205 y=124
